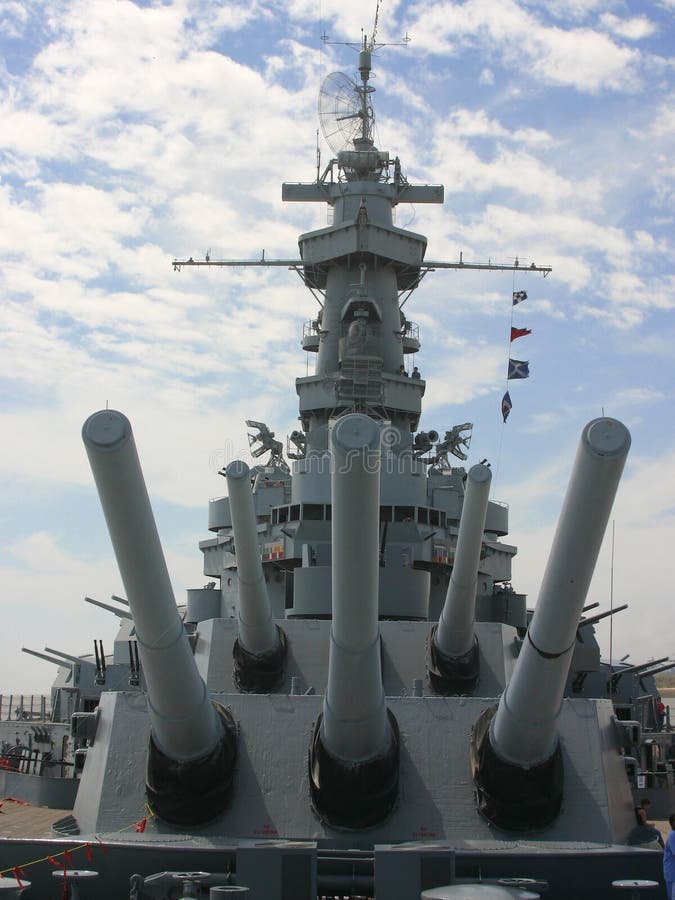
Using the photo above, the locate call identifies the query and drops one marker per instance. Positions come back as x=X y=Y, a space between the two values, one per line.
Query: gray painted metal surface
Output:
x=184 y=722
x=523 y=730
x=254 y=615
x=455 y=632
x=436 y=798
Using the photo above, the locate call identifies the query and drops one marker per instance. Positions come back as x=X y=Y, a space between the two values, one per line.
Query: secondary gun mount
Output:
x=638 y=670
x=516 y=756
x=354 y=755
x=192 y=743
x=453 y=663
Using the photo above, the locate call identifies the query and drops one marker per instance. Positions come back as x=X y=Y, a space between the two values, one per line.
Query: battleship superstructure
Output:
x=355 y=704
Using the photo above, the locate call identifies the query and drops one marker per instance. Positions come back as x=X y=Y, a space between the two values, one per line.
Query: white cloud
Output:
x=469 y=123
x=464 y=375
x=634 y=29
x=637 y=396
x=580 y=57
x=644 y=522
x=133 y=136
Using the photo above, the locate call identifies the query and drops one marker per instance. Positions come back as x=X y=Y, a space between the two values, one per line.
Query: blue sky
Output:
x=136 y=132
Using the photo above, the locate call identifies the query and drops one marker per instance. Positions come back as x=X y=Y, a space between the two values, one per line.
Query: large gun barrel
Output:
x=186 y=727
x=641 y=667
x=120 y=613
x=519 y=745
x=49 y=659
x=453 y=648
x=260 y=649
x=650 y=672
x=598 y=617
x=354 y=754
x=68 y=657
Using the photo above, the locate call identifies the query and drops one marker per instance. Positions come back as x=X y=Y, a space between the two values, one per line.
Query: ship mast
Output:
x=361 y=269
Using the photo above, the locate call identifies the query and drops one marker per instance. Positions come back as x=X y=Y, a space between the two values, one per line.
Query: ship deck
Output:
x=23 y=820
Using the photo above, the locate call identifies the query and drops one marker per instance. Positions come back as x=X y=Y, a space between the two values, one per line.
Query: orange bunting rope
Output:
x=102 y=845
x=18 y=871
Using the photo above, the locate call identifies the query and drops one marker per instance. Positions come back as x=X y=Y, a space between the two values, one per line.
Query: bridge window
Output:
x=313 y=511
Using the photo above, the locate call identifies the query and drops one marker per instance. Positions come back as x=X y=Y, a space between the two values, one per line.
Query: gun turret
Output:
x=516 y=755
x=260 y=649
x=354 y=753
x=453 y=649
x=192 y=746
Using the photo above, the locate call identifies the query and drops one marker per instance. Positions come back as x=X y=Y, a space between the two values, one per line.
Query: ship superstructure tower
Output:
x=362 y=263
x=360 y=267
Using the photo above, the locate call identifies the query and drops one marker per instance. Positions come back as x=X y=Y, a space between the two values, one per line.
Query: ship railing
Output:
x=410 y=330
x=644 y=712
x=311 y=336
x=310 y=328
x=25 y=708
x=25 y=760
x=659 y=775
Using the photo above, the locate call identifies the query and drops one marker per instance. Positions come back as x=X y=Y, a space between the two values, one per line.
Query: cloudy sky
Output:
x=136 y=132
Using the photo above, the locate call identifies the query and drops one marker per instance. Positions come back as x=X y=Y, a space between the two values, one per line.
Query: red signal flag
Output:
x=519 y=332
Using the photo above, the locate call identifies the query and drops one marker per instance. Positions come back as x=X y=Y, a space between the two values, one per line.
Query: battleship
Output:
x=357 y=703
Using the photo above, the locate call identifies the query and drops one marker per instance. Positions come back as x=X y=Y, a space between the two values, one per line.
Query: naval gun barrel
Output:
x=354 y=751
x=640 y=669
x=598 y=617
x=453 y=649
x=191 y=745
x=633 y=670
x=68 y=657
x=517 y=757
x=120 y=613
x=260 y=648
x=650 y=672
x=49 y=659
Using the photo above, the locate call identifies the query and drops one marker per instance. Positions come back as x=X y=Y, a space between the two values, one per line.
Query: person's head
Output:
x=672 y=821
x=645 y=803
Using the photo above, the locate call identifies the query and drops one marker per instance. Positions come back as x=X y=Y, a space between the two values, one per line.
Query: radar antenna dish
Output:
x=345 y=114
